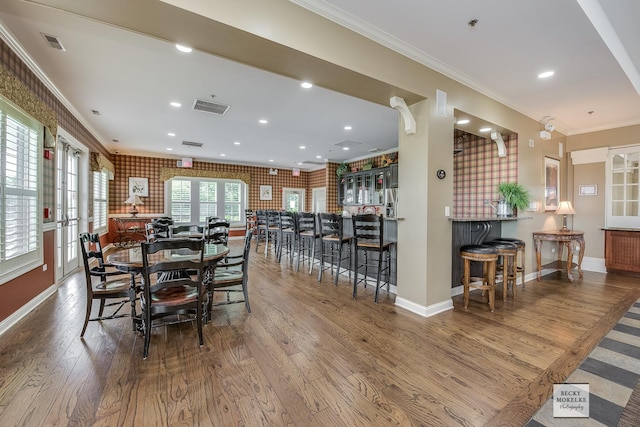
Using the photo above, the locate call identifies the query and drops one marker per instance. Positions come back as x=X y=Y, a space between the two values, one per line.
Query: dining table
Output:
x=130 y=260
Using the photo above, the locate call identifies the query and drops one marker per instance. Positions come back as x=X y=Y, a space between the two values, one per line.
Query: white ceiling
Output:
x=131 y=78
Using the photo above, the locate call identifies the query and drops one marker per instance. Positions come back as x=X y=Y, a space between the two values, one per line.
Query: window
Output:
x=192 y=200
x=623 y=182
x=100 y=200
x=20 y=185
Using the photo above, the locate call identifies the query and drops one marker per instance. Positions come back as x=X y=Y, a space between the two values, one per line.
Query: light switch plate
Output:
x=446 y=211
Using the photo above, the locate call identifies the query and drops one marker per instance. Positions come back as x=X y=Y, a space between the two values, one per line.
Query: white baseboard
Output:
x=424 y=311
x=26 y=309
x=593 y=264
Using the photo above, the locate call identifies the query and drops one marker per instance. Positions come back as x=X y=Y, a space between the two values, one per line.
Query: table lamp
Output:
x=564 y=209
x=133 y=200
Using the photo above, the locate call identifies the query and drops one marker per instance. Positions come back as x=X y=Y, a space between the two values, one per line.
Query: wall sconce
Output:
x=564 y=209
x=133 y=200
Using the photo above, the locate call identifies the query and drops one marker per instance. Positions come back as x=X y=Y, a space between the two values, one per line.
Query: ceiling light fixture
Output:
x=222 y=155
x=271 y=160
x=306 y=85
x=463 y=121
x=169 y=149
x=348 y=127
x=318 y=157
x=263 y=121
x=345 y=148
x=485 y=129
x=171 y=134
x=302 y=147
x=545 y=74
x=183 y=48
x=236 y=143
x=176 y=104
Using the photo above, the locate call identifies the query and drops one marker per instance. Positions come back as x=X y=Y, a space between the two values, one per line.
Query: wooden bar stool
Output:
x=521 y=252
x=488 y=256
x=508 y=251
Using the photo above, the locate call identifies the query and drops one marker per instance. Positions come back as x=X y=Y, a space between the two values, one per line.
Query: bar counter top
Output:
x=490 y=218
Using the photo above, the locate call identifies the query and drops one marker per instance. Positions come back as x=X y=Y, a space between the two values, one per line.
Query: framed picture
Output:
x=139 y=187
x=588 y=190
x=551 y=183
x=265 y=192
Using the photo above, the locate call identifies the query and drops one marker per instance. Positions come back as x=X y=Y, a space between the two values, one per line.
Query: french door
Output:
x=67 y=209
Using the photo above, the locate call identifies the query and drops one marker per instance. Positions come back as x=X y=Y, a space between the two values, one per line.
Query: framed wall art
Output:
x=551 y=183
x=139 y=187
x=265 y=192
x=588 y=190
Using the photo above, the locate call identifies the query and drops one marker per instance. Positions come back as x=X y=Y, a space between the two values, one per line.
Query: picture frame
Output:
x=138 y=186
x=551 y=183
x=588 y=190
x=265 y=192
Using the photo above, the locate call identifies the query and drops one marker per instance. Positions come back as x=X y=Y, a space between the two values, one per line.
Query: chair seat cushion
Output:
x=112 y=287
x=223 y=276
x=335 y=238
x=478 y=249
x=174 y=296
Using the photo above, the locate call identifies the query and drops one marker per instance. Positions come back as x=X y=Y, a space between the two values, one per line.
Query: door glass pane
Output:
x=618 y=178
x=632 y=192
x=632 y=209
x=618 y=161
x=617 y=192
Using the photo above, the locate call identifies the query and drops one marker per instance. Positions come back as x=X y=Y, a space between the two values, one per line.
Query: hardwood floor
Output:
x=308 y=355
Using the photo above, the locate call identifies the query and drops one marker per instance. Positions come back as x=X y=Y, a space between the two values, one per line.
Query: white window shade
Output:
x=20 y=201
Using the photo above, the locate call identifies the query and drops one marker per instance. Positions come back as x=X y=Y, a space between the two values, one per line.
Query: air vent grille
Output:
x=53 y=41
x=348 y=144
x=313 y=162
x=192 y=144
x=210 y=107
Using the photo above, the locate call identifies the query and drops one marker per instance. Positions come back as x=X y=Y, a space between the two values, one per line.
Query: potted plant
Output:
x=515 y=196
x=342 y=169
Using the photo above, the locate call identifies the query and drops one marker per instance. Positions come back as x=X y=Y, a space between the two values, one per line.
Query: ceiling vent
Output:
x=313 y=162
x=192 y=144
x=210 y=107
x=53 y=42
x=347 y=144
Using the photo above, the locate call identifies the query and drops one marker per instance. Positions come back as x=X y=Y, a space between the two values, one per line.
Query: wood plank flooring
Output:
x=308 y=355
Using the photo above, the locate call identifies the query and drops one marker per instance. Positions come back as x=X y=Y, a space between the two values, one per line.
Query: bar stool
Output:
x=286 y=235
x=306 y=237
x=368 y=237
x=488 y=256
x=521 y=252
x=508 y=251
x=332 y=241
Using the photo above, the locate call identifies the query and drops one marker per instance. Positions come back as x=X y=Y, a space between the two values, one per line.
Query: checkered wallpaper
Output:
x=477 y=172
x=149 y=167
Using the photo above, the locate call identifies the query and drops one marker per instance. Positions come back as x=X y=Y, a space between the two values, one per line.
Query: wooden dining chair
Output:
x=217 y=232
x=231 y=276
x=167 y=290
x=104 y=283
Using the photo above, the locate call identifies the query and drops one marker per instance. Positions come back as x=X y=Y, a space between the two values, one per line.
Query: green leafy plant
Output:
x=514 y=194
x=342 y=169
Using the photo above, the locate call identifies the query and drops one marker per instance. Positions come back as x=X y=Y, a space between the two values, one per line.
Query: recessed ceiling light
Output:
x=318 y=157
x=302 y=147
x=485 y=129
x=345 y=148
x=183 y=48
x=171 y=134
x=222 y=155
x=348 y=127
x=236 y=142
x=271 y=160
x=306 y=85
x=299 y=163
x=176 y=104
x=263 y=121
x=169 y=149
x=545 y=74
x=462 y=121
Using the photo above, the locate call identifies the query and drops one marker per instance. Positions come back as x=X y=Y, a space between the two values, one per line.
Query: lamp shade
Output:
x=134 y=199
x=565 y=208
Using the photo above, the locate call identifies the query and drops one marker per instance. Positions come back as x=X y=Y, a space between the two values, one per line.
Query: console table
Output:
x=564 y=238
